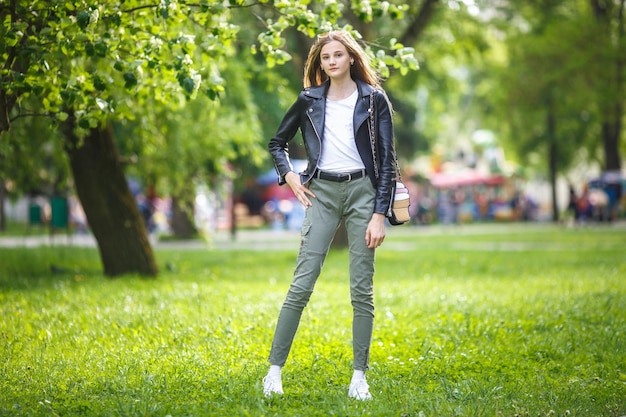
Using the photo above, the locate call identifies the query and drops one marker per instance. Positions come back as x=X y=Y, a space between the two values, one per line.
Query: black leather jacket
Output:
x=307 y=114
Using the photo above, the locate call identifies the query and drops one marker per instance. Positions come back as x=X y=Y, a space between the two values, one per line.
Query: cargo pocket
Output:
x=304 y=234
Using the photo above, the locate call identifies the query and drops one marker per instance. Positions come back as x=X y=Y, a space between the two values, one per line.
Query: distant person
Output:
x=584 y=207
x=345 y=180
x=614 y=192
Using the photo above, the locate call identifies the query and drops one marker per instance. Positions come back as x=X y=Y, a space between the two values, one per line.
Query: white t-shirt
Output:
x=339 y=152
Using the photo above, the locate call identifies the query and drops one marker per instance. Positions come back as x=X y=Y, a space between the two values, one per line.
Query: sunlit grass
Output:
x=470 y=321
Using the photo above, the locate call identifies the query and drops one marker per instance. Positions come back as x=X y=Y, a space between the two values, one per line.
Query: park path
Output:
x=221 y=240
x=266 y=239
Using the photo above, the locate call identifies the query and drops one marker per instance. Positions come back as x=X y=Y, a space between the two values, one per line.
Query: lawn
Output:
x=480 y=320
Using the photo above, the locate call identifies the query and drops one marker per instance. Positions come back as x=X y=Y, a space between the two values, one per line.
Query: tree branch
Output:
x=419 y=23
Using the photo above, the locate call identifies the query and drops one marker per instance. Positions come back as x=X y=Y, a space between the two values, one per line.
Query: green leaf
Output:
x=82 y=18
x=102 y=104
x=89 y=49
x=99 y=83
x=136 y=63
x=116 y=19
x=12 y=38
x=130 y=80
x=188 y=85
x=101 y=49
x=84 y=123
x=69 y=97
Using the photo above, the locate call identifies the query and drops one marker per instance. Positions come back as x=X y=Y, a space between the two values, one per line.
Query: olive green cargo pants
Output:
x=353 y=201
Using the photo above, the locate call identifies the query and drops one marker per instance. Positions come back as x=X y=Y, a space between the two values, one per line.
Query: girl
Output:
x=347 y=177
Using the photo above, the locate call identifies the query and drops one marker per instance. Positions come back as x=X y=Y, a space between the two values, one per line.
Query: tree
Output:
x=88 y=65
x=32 y=162
x=562 y=91
x=610 y=32
x=198 y=142
x=547 y=104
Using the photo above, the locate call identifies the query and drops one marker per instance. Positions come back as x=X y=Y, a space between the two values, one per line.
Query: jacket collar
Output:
x=320 y=91
x=364 y=88
x=317 y=107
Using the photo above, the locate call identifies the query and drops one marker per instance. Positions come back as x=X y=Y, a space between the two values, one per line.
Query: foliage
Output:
x=198 y=141
x=448 y=98
x=536 y=86
x=559 y=64
x=489 y=320
x=494 y=66
x=32 y=159
x=158 y=69
x=101 y=59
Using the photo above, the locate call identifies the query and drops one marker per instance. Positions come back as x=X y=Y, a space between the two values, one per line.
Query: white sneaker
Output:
x=272 y=385
x=359 y=390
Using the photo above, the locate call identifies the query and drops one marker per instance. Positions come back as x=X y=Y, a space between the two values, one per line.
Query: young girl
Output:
x=340 y=182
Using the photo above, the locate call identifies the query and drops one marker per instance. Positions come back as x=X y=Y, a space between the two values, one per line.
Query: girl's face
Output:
x=335 y=60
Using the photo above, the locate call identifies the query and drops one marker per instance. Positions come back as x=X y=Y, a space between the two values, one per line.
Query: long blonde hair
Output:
x=362 y=68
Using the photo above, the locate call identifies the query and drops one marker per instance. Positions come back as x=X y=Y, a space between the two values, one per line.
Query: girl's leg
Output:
x=358 y=216
x=318 y=229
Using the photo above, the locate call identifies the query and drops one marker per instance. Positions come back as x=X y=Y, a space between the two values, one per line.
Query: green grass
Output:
x=14 y=229
x=474 y=321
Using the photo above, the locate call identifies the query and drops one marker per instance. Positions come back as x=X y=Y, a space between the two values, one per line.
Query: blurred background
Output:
x=516 y=113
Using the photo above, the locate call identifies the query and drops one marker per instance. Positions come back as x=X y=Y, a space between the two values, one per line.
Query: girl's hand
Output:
x=301 y=192
x=375 y=233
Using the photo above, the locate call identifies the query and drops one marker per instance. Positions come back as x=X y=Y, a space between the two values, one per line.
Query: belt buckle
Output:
x=349 y=177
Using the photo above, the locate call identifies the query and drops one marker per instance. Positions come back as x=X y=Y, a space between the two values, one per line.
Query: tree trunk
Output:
x=3 y=219
x=611 y=18
x=552 y=154
x=610 y=137
x=183 y=202
x=553 y=173
x=109 y=206
x=182 y=218
x=419 y=22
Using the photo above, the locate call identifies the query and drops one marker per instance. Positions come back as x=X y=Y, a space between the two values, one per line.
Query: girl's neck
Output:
x=340 y=89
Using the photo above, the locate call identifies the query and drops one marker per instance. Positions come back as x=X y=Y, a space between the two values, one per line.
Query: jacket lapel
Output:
x=362 y=108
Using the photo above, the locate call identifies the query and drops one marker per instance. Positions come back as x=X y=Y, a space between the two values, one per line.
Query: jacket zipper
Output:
x=319 y=140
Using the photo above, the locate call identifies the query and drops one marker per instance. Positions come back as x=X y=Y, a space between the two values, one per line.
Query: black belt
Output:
x=340 y=176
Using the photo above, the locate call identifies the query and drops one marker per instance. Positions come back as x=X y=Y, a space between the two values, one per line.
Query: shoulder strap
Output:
x=372 y=129
x=373 y=133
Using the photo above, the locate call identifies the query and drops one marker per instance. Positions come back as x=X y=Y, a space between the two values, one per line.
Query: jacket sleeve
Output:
x=387 y=166
x=278 y=144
